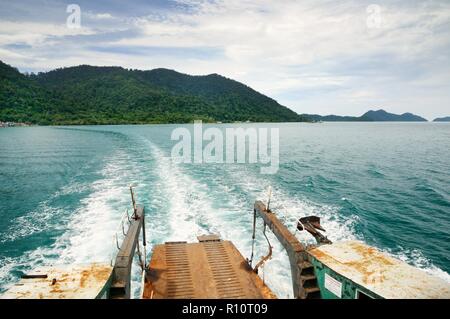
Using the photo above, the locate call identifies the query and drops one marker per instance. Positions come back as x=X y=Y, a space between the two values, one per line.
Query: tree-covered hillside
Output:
x=113 y=95
x=21 y=99
x=369 y=116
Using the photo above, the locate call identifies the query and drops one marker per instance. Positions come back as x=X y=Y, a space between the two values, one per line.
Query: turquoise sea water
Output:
x=63 y=192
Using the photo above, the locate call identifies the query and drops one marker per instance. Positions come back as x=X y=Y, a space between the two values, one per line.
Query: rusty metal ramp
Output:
x=211 y=268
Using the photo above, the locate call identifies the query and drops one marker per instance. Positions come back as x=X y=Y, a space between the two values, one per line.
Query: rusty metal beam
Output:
x=120 y=287
x=295 y=250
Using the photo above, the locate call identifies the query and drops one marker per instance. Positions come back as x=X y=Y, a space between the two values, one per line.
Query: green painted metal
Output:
x=349 y=289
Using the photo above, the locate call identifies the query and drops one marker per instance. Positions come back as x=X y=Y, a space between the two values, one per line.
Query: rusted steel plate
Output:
x=67 y=282
x=209 y=269
x=379 y=273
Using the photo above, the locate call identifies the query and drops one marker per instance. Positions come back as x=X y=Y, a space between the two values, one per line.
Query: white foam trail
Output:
x=417 y=259
x=6 y=266
x=289 y=210
x=31 y=223
x=90 y=228
x=192 y=212
x=180 y=208
x=339 y=228
x=277 y=271
x=189 y=206
x=45 y=216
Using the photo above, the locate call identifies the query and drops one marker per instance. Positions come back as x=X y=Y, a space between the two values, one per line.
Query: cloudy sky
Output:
x=324 y=57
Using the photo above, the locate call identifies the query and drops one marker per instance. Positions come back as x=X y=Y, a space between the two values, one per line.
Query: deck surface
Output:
x=208 y=269
x=65 y=282
x=380 y=273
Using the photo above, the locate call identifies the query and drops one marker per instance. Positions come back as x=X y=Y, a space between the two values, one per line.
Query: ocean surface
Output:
x=64 y=191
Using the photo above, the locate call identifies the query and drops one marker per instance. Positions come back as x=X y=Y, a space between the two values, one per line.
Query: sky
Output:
x=313 y=56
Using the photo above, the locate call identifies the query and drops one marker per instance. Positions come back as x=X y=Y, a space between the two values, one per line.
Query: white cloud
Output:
x=32 y=33
x=10 y=55
x=293 y=33
x=306 y=54
x=103 y=16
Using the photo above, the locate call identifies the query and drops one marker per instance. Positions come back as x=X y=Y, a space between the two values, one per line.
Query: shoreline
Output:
x=22 y=125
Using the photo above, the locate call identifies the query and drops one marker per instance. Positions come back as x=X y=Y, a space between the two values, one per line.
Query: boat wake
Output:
x=182 y=201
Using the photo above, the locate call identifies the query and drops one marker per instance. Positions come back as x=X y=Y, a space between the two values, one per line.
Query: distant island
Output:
x=442 y=119
x=370 y=116
x=114 y=95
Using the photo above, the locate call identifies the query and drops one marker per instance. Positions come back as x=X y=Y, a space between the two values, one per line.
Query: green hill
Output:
x=113 y=95
x=383 y=116
x=442 y=119
x=369 y=116
x=21 y=99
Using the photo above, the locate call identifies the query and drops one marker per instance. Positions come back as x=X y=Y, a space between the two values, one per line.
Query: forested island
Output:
x=114 y=95
x=442 y=119
x=369 y=116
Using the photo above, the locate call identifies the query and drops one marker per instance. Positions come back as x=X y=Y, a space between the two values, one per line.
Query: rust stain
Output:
x=99 y=273
x=56 y=291
x=83 y=278
x=370 y=265
x=65 y=282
